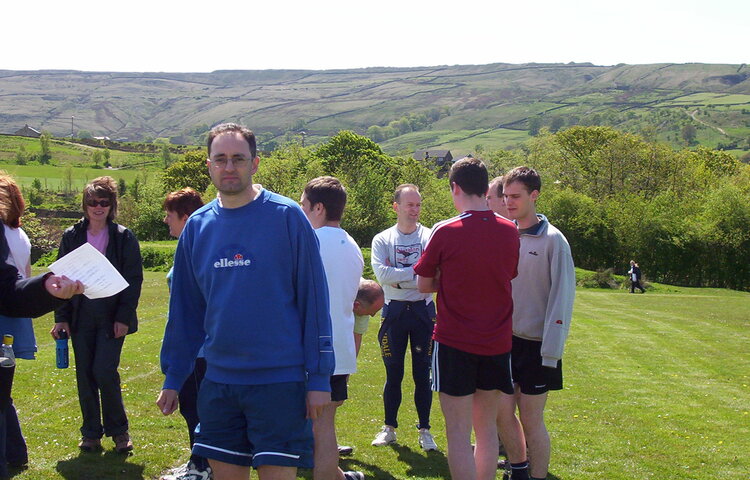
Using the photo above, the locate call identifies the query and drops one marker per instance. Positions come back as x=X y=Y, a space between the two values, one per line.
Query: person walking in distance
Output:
x=635 y=277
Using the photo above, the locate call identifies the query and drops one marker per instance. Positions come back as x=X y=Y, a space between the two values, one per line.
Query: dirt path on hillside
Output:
x=719 y=129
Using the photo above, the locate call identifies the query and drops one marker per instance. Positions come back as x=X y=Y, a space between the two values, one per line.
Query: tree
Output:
x=96 y=157
x=557 y=123
x=122 y=187
x=21 y=157
x=166 y=156
x=45 y=155
x=186 y=174
x=143 y=213
x=68 y=179
x=535 y=123
x=85 y=135
x=688 y=133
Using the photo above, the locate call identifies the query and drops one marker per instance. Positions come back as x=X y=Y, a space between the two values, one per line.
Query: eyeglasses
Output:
x=101 y=203
x=222 y=162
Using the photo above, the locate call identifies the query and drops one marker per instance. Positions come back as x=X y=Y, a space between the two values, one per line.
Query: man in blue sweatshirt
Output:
x=249 y=286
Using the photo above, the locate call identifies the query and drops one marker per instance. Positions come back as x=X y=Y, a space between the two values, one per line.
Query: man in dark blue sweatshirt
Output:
x=249 y=286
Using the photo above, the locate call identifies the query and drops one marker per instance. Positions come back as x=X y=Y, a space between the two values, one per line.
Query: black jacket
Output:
x=22 y=298
x=124 y=253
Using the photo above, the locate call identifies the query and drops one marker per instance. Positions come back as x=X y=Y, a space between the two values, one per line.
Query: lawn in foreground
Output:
x=656 y=387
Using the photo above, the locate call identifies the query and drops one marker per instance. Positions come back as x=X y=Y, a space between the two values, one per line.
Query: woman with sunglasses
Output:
x=97 y=328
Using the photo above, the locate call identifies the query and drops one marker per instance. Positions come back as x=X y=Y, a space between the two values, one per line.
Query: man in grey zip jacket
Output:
x=543 y=294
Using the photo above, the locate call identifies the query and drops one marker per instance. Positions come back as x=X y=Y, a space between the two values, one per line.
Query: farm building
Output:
x=440 y=157
x=27 y=131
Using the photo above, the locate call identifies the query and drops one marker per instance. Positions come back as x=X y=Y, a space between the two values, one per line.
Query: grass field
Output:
x=67 y=153
x=657 y=386
x=51 y=176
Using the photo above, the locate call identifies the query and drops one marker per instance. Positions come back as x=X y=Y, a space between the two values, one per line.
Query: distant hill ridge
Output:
x=273 y=102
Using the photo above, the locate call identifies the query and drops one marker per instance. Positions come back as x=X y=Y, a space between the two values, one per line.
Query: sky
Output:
x=193 y=36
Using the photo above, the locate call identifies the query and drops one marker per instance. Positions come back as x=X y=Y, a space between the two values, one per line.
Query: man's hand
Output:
x=167 y=401
x=59 y=327
x=120 y=330
x=62 y=287
x=315 y=403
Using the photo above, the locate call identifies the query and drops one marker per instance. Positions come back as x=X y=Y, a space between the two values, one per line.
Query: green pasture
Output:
x=458 y=141
x=67 y=153
x=52 y=176
x=656 y=386
x=707 y=98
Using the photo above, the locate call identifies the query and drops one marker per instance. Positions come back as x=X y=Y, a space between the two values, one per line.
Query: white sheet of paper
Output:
x=99 y=277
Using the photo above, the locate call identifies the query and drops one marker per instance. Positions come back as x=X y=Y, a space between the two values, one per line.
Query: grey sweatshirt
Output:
x=392 y=258
x=544 y=290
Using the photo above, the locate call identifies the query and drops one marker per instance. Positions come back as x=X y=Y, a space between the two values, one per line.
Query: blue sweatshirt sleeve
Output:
x=184 y=333
x=312 y=303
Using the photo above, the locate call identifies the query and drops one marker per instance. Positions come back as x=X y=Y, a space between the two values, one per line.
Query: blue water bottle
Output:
x=61 y=350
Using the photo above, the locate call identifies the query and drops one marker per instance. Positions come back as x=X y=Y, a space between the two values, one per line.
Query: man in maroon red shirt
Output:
x=470 y=261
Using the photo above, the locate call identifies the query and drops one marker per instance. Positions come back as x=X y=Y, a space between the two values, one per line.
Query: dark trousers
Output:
x=189 y=406
x=406 y=323
x=97 y=357
x=12 y=444
x=636 y=284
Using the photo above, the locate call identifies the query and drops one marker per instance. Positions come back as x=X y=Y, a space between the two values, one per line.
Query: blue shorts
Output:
x=254 y=425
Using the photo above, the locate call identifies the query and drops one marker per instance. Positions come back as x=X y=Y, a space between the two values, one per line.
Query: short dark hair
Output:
x=369 y=292
x=401 y=188
x=527 y=176
x=471 y=175
x=499 y=185
x=183 y=202
x=12 y=204
x=248 y=135
x=101 y=187
x=330 y=192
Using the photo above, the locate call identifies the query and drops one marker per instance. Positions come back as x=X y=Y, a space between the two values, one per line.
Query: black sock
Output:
x=536 y=478
x=519 y=471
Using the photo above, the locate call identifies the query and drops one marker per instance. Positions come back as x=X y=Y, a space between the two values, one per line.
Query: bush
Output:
x=47 y=259
x=599 y=279
x=157 y=259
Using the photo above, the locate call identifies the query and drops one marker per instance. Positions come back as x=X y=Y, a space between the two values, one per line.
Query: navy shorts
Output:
x=528 y=372
x=459 y=373
x=339 y=388
x=254 y=425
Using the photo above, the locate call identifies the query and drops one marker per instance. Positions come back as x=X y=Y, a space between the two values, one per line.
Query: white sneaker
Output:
x=386 y=436
x=176 y=472
x=194 y=473
x=426 y=441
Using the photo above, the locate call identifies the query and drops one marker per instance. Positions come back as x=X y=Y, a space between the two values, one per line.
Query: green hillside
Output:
x=660 y=99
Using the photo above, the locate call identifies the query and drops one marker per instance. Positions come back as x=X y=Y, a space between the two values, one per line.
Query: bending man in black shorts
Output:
x=470 y=261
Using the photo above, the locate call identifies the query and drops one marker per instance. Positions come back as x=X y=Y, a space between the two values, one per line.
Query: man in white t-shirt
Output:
x=323 y=201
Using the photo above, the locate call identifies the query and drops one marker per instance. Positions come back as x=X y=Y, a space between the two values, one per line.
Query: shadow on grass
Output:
x=108 y=465
x=434 y=465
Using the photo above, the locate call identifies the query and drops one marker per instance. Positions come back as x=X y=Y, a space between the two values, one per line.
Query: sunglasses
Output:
x=101 y=203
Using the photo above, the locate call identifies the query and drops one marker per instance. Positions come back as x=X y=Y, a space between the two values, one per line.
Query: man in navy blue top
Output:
x=249 y=286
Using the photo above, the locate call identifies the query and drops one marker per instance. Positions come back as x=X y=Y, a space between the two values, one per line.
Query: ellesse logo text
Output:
x=237 y=261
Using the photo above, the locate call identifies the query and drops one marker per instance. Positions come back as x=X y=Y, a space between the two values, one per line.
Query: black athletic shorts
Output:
x=528 y=372
x=339 y=388
x=460 y=373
